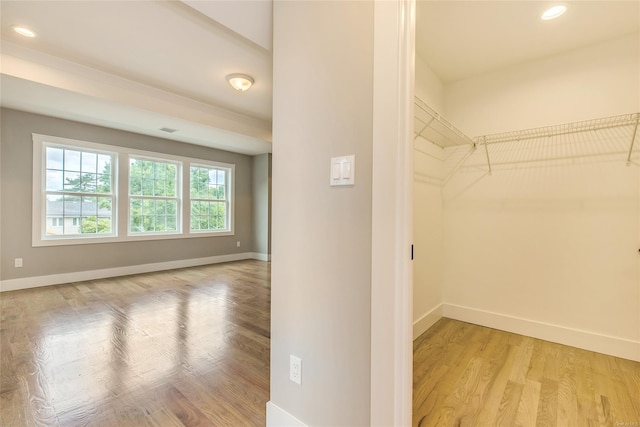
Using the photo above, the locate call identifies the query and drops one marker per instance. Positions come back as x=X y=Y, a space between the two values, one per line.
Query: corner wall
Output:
x=261 y=203
x=428 y=229
x=548 y=248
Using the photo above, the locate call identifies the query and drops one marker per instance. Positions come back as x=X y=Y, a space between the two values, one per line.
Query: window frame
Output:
x=228 y=200
x=120 y=194
x=179 y=197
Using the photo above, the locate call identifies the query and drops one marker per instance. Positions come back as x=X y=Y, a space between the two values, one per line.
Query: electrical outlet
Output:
x=17 y=262
x=238 y=243
x=295 y=369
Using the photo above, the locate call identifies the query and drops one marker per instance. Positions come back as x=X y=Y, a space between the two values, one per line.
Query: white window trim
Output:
x=179 y=197
x=229 y=200
x=120 y=171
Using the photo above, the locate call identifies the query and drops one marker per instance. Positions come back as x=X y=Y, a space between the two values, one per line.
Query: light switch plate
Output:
x=343 y=171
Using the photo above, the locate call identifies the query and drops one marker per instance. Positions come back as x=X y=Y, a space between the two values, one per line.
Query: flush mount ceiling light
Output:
x=553 y=12
x=240 y=82
x=24 y=31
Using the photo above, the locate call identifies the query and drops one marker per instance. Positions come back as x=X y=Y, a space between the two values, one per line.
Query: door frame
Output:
x=392 y=214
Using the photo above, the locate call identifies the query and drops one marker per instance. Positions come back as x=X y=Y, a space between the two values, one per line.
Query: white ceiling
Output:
x=143 y=65
x=163 y=62
x=459 y=39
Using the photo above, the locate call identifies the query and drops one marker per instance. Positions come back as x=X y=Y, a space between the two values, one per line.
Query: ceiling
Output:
x=145 y=65
x=460 y=39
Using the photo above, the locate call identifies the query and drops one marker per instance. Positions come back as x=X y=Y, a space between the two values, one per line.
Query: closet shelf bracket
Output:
x=633 y=138
x=430 y=125
x=486 y=151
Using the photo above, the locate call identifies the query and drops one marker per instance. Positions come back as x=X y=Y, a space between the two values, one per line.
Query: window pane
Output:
x=89 y=206
x=88 y=183
x=135 y=186
x=89 y=162
x=104 y=225
x=104 y=164
x=72 y=181
x=72 y=160
x=147 y=187
x=54 y=180
x=172 y=223
x=160 y=171
x=89 y=225
x=103 y=184
x=170 y=188
x=161 y=207
x=54 y=158
x=160 y=188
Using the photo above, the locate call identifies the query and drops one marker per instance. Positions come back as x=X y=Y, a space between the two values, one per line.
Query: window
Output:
x=153 y=195
x=85 y=192
x=209 y=198
x=78 y=184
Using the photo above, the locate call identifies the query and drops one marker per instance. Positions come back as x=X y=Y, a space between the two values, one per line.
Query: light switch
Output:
x=346 y=170
x=335 y=172
x=343 y=170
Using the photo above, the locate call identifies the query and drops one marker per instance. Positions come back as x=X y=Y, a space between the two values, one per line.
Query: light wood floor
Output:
x=186 y=347
x=468 y=375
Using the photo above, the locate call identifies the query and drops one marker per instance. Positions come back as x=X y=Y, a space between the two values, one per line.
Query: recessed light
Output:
x=168 y=130
x=553 y=12
x=240 y=82
x=24 y=31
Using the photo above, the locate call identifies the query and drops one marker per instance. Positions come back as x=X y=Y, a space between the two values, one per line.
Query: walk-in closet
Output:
x=527 y=195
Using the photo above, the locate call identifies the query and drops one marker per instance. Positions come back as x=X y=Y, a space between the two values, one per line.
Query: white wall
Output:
x=429 y=87
x=548 y=249
x=546 y=244
x=427 y=209
x=321 y=269
x=597 y=81
x=428 y=229
x=261 y=205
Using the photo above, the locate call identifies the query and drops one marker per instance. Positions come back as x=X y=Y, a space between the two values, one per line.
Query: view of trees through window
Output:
x=78 y=186
x=208 y=198
x=81 y=192
x=153 y=199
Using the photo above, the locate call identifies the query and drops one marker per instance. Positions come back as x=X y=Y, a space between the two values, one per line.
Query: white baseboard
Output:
x=614 y=346
x=426 y=321
x=278 y=417
x=56 y=279
x=261 y=257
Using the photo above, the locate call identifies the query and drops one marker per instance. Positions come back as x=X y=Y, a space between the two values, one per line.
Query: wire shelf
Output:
x=430 y=125
x=602 y=138
x=595 y=125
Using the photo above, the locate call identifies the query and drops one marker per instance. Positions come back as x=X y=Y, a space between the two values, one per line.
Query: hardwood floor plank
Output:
x=509 y=404
x=187 y=347
x=468 y=375
x=528 y=405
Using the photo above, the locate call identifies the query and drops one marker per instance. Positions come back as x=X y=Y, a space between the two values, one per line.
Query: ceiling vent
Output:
x=168 y=130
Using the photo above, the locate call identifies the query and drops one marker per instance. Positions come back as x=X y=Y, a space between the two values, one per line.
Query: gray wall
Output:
x=16 y=176
x=321 y=268
x=262 y=204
